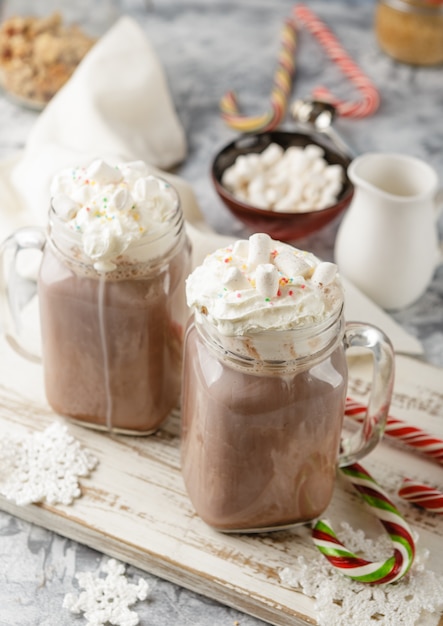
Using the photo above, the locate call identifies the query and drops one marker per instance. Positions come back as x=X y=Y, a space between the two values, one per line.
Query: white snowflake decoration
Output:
x=340 y=601
x=43 y=466
x=107 y=600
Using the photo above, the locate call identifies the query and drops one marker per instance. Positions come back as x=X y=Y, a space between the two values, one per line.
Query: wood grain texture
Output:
x=134 y=506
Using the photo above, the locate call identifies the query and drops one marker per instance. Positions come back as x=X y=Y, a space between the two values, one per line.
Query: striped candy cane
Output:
x=411 y=436
x=370 y=98
x=279 y=94
x=422 y=495
x=350 y=564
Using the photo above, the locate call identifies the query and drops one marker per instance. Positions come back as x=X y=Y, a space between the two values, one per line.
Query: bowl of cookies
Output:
x=38 y=55
x=287 y=184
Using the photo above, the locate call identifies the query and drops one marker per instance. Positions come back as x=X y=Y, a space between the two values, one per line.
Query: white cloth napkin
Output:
x=117 y=106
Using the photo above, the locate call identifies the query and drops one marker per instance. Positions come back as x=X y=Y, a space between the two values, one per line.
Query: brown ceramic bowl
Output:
x=284 y=226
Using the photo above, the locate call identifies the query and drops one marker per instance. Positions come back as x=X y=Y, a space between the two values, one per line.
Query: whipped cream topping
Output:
x=111 y=207
x=261 y=284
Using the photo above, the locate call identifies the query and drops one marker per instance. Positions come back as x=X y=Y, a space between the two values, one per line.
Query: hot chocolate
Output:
x=260 y=448
x=112 y=301
x=112 y=346
x=264 y=386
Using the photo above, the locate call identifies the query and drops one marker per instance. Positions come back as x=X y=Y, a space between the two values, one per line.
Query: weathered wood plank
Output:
x=134 y=506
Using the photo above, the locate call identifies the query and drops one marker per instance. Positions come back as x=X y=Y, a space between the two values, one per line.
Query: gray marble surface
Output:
x=207 y=47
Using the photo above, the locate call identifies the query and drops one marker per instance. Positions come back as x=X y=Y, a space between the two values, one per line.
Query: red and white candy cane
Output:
x=279 y=95
x=411 y=436
x=370 y=98
x=422 y=495
x=354 y=566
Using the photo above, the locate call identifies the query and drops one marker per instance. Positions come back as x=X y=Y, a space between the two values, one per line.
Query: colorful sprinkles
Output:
x=112 y=206
x=259 y=284
x=287 y=284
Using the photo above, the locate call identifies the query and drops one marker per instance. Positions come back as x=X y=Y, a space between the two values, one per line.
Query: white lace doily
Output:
x=340 y=601
x=43 y=466
x=106 y=600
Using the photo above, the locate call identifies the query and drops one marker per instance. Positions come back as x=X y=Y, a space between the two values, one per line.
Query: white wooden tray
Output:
x=134 y=506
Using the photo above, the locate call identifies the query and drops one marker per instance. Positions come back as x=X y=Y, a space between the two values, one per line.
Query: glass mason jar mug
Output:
x=111 y=341
x=261 y=436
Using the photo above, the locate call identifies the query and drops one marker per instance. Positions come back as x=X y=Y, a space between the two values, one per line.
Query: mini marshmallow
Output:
x=83 y=195
x=244 y=168
x=137 y=167
x=296 y=190
x=324 y=274
x=234 y=279
x=103 y=173
x=297 y=160
x=286 y=204
x=293 y=152
x=291 y=265
x=65 y=207
x=257 y=185
x=146 y=188
x=102 y=248
x=122 y=199
x=279 y=177
x=255 y=161
x=271 y=154
x=326 y=199
x=318 y=166
x=291 y=200
x=258 y=200
x=333 y=187
x=304 y=205
x=273 y=195
x=267 y=280
x=311 y=193
x=312 y=152
x=241 y=248
x=260 y=245
x=242 y=195
x=334 y=172
x=230 y=178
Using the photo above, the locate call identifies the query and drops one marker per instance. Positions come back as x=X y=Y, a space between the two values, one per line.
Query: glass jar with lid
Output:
x=411 y=31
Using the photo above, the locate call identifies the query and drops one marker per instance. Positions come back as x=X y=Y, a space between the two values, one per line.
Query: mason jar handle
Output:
x=17 y=290
x=359 y=444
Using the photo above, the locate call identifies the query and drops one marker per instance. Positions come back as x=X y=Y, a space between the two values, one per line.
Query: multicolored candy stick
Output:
x=350 y=564
x=370 y=99
x=397 y=429
x=426 y=497
x=279 y=95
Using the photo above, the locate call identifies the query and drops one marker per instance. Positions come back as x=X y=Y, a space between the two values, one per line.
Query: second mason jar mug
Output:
x=111 y=297
x=264 y=393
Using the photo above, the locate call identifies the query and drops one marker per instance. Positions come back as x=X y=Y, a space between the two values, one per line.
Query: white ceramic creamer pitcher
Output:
x=387 y=243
